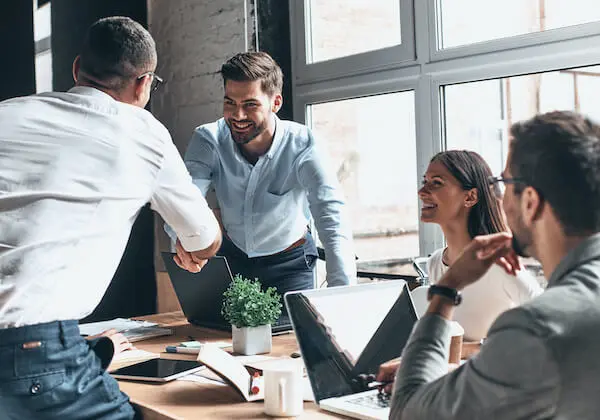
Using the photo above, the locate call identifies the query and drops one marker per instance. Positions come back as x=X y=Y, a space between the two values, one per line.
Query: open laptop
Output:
x=201 y=294
x=344 y=332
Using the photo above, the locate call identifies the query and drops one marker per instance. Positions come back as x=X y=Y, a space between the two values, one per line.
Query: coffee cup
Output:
x=283 y=390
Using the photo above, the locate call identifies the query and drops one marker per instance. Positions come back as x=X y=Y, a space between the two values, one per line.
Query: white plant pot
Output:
x=251 y=340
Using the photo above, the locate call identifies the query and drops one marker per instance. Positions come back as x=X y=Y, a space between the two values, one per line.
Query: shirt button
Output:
x=36 y=387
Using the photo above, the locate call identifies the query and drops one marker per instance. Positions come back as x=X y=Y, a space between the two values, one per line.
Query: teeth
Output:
x=241 y=126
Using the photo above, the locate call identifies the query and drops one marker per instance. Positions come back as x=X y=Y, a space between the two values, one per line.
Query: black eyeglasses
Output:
x=498 y=183
x=157 y=81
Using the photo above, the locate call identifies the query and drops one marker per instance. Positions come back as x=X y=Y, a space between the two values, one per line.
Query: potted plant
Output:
x=250 y=311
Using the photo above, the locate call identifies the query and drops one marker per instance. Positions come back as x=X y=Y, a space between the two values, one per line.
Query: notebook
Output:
x=344 y=332
x=201 y=294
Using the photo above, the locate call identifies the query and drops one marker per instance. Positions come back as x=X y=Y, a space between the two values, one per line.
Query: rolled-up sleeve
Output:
x=513 y=377
x=182 y=205
x=331 y=219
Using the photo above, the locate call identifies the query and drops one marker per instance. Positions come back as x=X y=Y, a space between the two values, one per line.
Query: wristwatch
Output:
x=449 y=293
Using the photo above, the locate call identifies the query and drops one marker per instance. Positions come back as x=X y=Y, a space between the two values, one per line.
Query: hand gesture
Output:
x=476 y=259
x=188 y=260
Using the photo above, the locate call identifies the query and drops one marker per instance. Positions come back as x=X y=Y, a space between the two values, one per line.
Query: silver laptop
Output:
x=346 y=333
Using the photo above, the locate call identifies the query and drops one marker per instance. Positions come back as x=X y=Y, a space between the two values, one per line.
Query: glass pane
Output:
x=478 y=115
x=464 y=22
x=43 y=72
x=338 y=28
x=376 y=165
x=41 y=22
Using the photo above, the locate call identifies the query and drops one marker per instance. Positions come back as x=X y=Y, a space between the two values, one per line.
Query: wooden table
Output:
x=191 y=400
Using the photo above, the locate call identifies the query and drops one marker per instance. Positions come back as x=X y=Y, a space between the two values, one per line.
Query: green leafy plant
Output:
x=247 y=305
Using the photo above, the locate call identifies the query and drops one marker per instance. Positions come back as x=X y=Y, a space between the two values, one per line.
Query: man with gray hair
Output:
x=75 y=169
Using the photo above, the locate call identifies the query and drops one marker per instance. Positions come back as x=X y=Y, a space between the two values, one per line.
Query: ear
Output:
x=471 y=198
x=277 y=103
x=532 y=206
x=141 y=86
x=76 y=66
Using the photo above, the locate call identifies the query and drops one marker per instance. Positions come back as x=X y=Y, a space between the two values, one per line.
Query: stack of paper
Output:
x=133 y=330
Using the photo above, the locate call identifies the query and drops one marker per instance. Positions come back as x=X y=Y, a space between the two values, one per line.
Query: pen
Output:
x=182 y=350
x=255 y=384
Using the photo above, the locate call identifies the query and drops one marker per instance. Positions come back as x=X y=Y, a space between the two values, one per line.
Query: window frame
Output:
x=375 y=60
x=430 y=70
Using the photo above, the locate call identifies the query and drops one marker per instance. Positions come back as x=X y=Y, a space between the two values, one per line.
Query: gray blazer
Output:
x=540 y=360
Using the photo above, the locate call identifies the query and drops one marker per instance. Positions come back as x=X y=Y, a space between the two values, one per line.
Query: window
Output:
x=340 y=28
x=386 y=84
x=380 y=188
x=43 y=54
x=463 y=22
x=478 y=115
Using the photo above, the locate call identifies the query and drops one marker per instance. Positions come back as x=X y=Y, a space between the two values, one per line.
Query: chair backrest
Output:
x=419 y=298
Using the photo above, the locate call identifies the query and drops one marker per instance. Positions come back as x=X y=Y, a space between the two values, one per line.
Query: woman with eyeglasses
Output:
x=457 y=195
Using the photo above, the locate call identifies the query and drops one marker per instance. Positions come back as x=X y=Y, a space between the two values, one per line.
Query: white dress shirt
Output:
x=75 y=169
x=487 y=298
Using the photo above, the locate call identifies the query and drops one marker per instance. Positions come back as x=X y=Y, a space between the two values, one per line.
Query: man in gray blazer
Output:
x=540 y=360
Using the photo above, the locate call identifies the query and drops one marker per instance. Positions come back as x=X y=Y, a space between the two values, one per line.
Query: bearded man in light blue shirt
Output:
x=269 y=179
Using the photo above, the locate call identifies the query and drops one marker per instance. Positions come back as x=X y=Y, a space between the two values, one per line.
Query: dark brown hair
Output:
x=472 y=171
x=558 y=154
x=251 y=66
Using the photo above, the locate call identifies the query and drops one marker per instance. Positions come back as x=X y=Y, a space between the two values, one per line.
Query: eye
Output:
x=251 y=105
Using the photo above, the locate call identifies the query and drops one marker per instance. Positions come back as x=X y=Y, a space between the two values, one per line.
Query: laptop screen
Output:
x=345 y=331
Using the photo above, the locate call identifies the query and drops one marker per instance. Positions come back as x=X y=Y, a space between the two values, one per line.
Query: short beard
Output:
x=245 y=139
x=518 y=248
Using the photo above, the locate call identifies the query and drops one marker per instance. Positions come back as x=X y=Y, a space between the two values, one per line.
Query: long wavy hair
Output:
x=472 y=171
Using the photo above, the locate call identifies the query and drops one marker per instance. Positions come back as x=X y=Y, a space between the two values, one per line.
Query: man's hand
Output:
x=387 y=373
x=188 y=260
x=476 y=259
x=120 y=342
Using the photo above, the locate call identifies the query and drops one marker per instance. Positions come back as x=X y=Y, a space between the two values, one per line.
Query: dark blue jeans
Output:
x=285 y=271
x=48 y=371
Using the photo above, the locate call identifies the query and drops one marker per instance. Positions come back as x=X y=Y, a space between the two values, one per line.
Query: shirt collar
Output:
x=588 y=249
x=89 y=91
x=276 y=138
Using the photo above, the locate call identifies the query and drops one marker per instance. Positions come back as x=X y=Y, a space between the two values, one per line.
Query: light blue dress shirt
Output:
x=266 y=207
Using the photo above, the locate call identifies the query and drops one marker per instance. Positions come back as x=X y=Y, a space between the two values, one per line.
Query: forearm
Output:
x=339 y=250
x=424 y=359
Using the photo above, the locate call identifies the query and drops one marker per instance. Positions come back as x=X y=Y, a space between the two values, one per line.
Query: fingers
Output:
x=121 y=343
x=387 y=371
x=508 y=267
x=185 y=260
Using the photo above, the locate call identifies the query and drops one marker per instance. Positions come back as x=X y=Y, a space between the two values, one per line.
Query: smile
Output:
x=241 y=126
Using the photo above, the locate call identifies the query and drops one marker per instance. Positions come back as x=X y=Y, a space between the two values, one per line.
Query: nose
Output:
x=423 y=191
x=239 y=114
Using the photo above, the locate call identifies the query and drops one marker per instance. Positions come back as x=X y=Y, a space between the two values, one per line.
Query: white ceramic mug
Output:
x=283 y=390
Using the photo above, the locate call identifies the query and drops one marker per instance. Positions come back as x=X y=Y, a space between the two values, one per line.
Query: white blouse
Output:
x=487 y=298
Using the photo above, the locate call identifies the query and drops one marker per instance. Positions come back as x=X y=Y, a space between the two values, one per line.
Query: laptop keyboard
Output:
x=375 y=400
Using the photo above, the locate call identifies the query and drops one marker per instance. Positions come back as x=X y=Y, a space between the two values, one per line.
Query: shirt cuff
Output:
x=199 y=240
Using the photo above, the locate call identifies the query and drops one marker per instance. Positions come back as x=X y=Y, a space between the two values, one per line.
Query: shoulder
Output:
x=435 y=259
x=297 y=135
x=521 y=287
x=214 y=133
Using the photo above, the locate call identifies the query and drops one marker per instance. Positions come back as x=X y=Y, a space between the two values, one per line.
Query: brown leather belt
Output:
x=296 y=244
